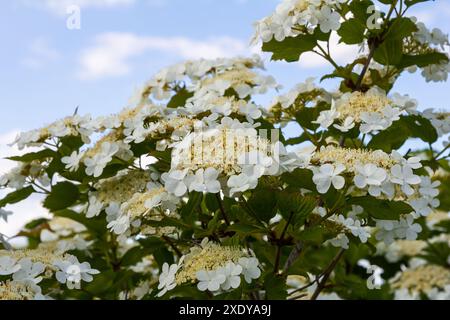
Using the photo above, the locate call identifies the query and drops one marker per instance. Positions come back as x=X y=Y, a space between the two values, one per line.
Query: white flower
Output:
x=232 y=274
x=408 y=229
x=94 y=208
x=251 y=111
x=328 y=20
x=167 y=278
x=405 y=177
x=205 y=181
x=327 y=117
x=428 y=187
x=424 y=206
x=356 y=210
x=405 y=294
x=405 y=228
x=8 y=266
x=120 y=225
x=112 y=211
x=347 y=125
x=29 y=271
x=391 y=115
x=174 y=182
x=72 y=272
x=96 y=164
x=360 y=232
x=386 y=188
x=328 y=174
x=371 y=121
x=4 y=214
x=412 y=162
x=369 y=175
x=72 y=162
x=210 y=280
x=250 y=268
x=241 y=183
x=341 y=241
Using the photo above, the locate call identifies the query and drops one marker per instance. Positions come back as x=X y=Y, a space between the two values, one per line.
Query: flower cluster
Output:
x=425 y=40
x=195 y=155
x=431 y=280
x=373 y=111
x=27 y=268
x=213 y=267
x=293 y=17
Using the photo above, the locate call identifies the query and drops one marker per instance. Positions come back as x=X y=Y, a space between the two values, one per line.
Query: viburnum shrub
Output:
x=193 y=191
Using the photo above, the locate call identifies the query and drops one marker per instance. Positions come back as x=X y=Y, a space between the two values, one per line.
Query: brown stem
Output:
x=172 y=245
x=222 y=210
x=280 y=244
x=295 y=253
x=326 y=274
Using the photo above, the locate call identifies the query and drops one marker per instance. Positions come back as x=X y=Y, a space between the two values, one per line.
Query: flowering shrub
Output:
x=193 y=191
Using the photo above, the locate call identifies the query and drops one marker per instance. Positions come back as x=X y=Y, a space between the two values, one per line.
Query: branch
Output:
x=280 y=245
x=295 y=253
x=173 y=246
x=327 y=274
x=222 y=210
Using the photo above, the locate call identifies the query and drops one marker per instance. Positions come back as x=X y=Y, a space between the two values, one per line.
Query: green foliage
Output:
x=382 y=209
x=62 y=196
x=16 y=196
x=291 y=48
x=412 y=126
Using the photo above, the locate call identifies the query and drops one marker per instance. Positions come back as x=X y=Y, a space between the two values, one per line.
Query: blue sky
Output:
x=48 y=70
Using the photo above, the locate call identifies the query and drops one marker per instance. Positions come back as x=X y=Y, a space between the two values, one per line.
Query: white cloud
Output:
x=24 y=211
x=40 y=54
x=60 y=6
x=340 y=52
x=111 y=53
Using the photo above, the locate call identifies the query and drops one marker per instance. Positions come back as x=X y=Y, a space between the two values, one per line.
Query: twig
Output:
x=280 y=245
x=172 y=245
x=326 y=274
x=295 y=253
x=222 y=209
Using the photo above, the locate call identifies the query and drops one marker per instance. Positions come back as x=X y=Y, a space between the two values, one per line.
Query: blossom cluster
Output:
x=27 y=268
x=293 y=17
x=213 y=267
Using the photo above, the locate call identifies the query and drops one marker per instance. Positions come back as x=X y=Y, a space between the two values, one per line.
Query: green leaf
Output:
x=412 y=126
x=401 y=28
x=305 y=116
x=359 y=10
x=437 y=253
x=246 y=229
x=36 y=223
x=389 y=52
x=211 y=202
x=422 y=60
x=188 y=212
x=40 y=155
x=16 y=196
x=382 y=209
x=291 y=48
x=179 y=99
x=295 y=204
x=352 y=32
x=263 y=203
x=275 y=286
x=63 y=195
x=410 y=3
x=70 y=144
x=299 y=178
x=96 y=225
